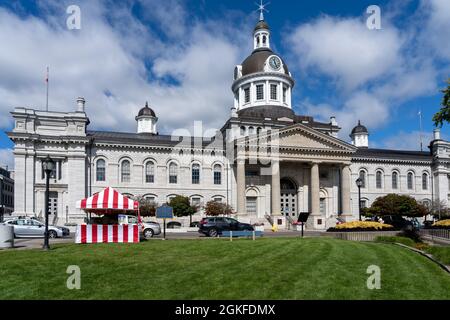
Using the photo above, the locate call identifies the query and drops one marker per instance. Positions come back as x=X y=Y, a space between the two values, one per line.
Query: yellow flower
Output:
x=363 y=225
x=442 y=223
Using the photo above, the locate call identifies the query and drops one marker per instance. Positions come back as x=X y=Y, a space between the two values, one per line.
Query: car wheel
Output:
x=52 y=234
x=148 y=233
x=212 y=233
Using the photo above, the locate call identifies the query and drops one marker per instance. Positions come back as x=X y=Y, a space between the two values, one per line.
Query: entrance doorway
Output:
x=289 y=206
x=53 y=203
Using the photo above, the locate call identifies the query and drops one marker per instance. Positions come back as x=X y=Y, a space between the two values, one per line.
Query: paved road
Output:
x=36 y=243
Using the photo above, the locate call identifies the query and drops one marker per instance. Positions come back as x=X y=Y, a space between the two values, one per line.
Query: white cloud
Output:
x=6 y=158
x=408 y=141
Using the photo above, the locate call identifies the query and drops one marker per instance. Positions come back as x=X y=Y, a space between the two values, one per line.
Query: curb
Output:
x=426 y=255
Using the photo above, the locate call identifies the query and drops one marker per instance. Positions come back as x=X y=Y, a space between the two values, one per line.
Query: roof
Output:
x=262 y=25
x=146 y=111
x=147 y=139
x=393 y=154
x=359 y=129
x=257 y=60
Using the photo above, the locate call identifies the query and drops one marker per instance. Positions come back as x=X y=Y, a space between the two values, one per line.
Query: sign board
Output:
x=164 y=212
x=303 y=216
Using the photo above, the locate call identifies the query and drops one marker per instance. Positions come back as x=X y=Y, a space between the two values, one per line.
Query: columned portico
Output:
x=345 y=190
x=315 y=189
x=240 y=189
x=276 y=192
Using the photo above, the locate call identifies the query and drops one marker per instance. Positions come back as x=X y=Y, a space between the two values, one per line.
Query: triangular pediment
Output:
x=299 y=136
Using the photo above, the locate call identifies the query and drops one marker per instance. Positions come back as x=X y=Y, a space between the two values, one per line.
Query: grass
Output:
x=403 y=240
x=440 y=253
x=280 y=268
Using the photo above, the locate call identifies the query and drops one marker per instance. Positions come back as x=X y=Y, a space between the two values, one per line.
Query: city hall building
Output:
x=267 y=162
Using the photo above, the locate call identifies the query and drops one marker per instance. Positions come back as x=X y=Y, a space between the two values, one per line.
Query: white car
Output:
x=32 y=228
x=149 y=228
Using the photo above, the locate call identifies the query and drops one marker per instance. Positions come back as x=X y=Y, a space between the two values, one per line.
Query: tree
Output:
x=147 y=207
x=394 y=204
x=439 y=210
x=181 y=206
x=444 y=113
x=215 y=208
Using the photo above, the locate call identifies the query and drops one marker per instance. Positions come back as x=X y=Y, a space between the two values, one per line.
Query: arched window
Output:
x=264 y=39
x=410 y=181
x=251 y=130
x=217 y=174
x=379 y=179
x=173 y=172
x=242 y=131
x=425 y=181
x=258 y=130
x=362 y=176
x=394 y=180
x=195 y=173
x=125 y=171
x=150 y=172
x=101 y=170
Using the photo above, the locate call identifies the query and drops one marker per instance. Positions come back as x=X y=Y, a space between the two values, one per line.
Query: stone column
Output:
x=315 y=189
x=240 y=188
x=345 y=190
x=275 y=187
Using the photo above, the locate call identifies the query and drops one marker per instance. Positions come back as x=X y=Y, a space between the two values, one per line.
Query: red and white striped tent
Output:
x=109 y=200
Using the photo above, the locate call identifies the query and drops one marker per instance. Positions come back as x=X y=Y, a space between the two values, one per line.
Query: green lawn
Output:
x=440 y=253
x=281 y=268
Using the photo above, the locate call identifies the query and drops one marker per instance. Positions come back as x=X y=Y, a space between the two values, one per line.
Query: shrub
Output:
x=394 y=204
x=412 y=234
x=181 y=206
x=362 y=226
x=442 y=224
x=215 y=208
x=406 y=241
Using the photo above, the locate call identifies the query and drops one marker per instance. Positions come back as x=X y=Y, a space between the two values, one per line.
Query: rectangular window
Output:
x=195 y=175
x=217 y=177
x=150 y=173
x=284 y=94
x=251 y=205
x=247 y=95
x=260 y=92
x=273 y=92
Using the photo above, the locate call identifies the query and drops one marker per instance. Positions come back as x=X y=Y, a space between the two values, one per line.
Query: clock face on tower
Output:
x=275 y=63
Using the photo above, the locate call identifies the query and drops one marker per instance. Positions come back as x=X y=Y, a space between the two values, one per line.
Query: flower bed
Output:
x=361 y=226
x=443 y=224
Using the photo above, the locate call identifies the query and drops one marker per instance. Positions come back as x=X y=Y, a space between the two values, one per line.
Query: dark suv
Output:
x=213 y=226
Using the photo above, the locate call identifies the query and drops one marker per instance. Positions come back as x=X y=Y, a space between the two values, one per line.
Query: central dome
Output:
x=257 y=61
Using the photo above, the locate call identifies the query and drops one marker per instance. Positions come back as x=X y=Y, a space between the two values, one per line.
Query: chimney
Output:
x=437 y=134
x=80 y=104
x=333 y=121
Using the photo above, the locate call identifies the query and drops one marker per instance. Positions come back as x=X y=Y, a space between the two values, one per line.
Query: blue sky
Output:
x=180 y=56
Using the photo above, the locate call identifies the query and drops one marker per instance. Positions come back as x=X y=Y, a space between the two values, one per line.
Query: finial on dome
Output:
x=261 y=9
x=146 y=104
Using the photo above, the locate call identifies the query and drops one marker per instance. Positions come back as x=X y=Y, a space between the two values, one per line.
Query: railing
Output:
x=269 y=218
x=360 y=235
x=436 y=233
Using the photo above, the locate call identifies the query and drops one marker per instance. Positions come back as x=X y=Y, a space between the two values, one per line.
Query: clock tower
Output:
x=263 y=79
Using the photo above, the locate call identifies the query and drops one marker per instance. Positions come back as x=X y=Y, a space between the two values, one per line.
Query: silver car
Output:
x=28 y=228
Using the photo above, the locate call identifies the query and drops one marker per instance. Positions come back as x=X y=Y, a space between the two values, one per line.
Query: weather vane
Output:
x=261 y=8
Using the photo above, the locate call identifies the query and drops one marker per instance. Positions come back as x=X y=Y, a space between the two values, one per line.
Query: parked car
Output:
x=173 y=225
x=28 y=228
x=427 y=224
x=150 y=228
x=195 y=224
x=398 y=222
x=213 y=226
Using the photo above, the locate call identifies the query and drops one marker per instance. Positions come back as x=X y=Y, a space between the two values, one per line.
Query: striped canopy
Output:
x=106 y=200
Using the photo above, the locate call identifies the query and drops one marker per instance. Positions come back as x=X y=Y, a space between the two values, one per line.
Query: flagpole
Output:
x=46 y=104
x=421 y=130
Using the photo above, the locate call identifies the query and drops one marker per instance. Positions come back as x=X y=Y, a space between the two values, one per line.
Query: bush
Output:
x=442 y=224
x=181 y=206
x=394 y=204
x=361 y=226
x=406 y=241
x=215 y=208
x=412 y=234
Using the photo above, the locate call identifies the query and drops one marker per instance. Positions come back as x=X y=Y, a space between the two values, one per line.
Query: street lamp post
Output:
x=359 y=183
x=47 y=165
